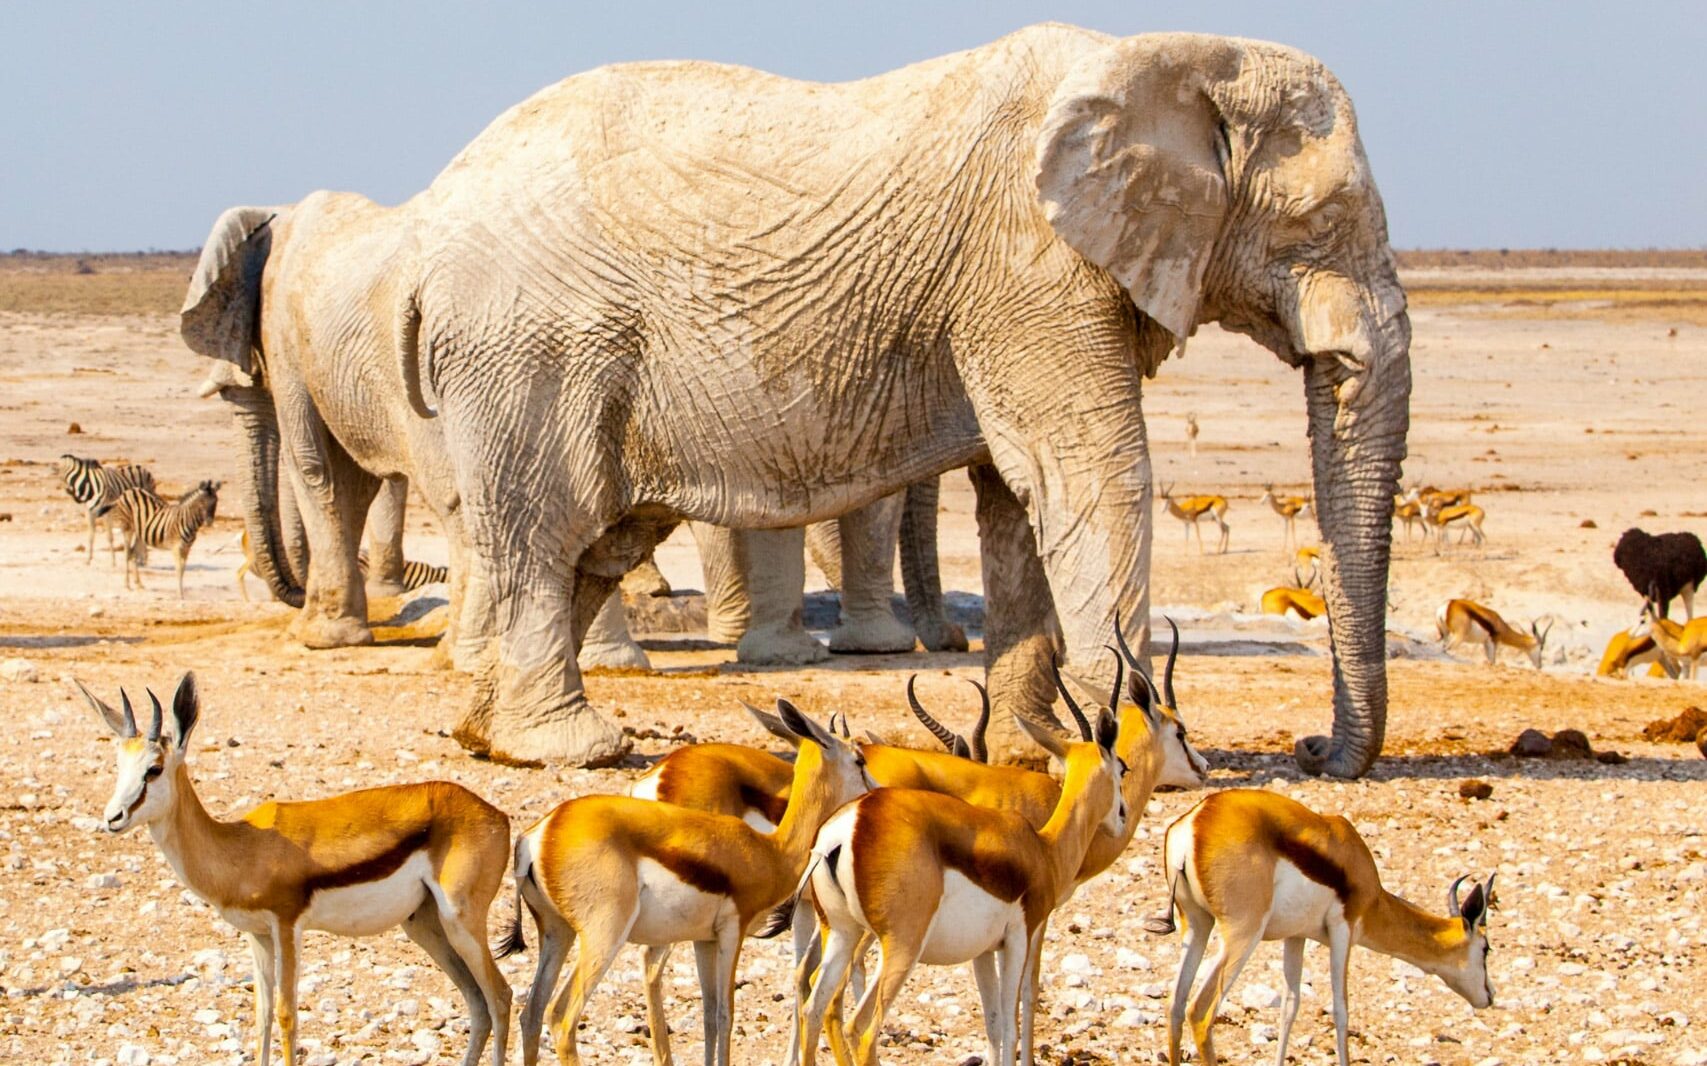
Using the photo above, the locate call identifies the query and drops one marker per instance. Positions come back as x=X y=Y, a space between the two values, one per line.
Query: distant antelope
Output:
x=1430 y=496
x=1683 y=644
x=1191 y=432
x=1626 y=650
x=1409 y=510
x=1259 y=866
x=428 y=857
x=1288 y=508
x=615 y=870
x=1193 y=509
x=95 y=486
x=1441 y=517
x=1294 y=599
x=150 y=522
x=1308 y=558
x=1465 y=621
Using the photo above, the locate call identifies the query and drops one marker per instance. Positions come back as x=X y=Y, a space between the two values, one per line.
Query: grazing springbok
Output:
x=428 y=857
x=1466 y=621
x=1627 y=650
x=1288 y=508
x=1193 y=509
x=1683 y=644
x=936 y=880
x=1259 y=866
x=615 y=870
x=1295 y=598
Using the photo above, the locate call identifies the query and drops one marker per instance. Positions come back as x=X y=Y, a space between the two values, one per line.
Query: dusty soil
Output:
x=1554 y=419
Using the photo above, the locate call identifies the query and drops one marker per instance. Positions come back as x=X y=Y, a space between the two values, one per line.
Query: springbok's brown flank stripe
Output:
x=377 y=868
x=1316 y=866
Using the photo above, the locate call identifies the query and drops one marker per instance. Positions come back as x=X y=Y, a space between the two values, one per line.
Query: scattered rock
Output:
x=100 y=881
x=1680 y=730
x=1701 y=743
x=1475 y=789
x=1532 y=744
x=1611 y=758
x=1588 y=523
x=20 y=671
x=1571 y=744
x=5 y=516
x=73 y=430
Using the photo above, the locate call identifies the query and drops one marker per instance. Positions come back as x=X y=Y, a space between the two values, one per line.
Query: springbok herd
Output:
x=935 y=857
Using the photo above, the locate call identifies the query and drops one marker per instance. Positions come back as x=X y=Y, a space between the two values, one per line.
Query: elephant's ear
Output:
x=1130 y=168
x=221 y=311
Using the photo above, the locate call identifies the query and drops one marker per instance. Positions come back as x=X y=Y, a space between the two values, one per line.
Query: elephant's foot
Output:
x=875 y=632
x=1318 y=755
x=573 y=734
x=623 y=654
x=939 y=634
x=320 y=633
x=780 y=646
x=1010 y=746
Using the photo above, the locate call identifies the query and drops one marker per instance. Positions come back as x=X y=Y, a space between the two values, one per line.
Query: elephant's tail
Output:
x=412 y=361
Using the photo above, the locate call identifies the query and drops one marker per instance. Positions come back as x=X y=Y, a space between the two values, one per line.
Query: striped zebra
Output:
x=94 y=485
x=150 y=522
x=416 y=574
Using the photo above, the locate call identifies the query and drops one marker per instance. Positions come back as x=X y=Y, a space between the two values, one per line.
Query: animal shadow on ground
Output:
x=1401 y=767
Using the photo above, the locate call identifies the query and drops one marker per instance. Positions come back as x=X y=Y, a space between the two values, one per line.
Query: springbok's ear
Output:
x=122 y=725
x=186 y=709
x=771 y=724
x=1476 y=907
x=1108 y=730
x=1048 y=739
x=874 y=737
x=801 y=726
x=1131 y=169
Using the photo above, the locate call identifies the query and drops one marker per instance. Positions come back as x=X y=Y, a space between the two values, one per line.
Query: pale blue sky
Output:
x=132 y=125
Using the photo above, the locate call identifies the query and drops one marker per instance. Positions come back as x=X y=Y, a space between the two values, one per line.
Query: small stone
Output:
x=1701 y=743
x=1256 y=996
x=100 y=881
x=97 y=611
x=1611 y=758
x=1532 y=744
x=1589 y=523
x=1571 y=744
x=73 y=430
x=132 y=1055
x=19 y=671
x=1475 y=789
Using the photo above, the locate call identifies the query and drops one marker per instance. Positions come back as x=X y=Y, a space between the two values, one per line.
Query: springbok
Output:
x=1288 y=508
x=1463 y=621
x=1409 y=510
x=1308 y=558
x=1683 y=644
x=428 y=857
x=615 y=870
x=1193 y=509
x=1295 y=598
x=1260 y=866
x=939 y=881
x=1191 y=432
x=1626 y=650
x=977 y=747
x=1442 y=517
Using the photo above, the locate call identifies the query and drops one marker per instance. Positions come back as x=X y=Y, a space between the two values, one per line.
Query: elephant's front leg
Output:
x=332 y=494
x=385 y=520
x=776 y=583
x=868 y=622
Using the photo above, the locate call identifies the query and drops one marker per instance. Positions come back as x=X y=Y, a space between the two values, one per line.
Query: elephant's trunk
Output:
x=1359 y=415
x=254 y=411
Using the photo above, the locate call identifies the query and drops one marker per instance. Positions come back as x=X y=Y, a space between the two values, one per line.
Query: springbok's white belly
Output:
x=672 y=910
x=1302 y=907
x=969 y=922
x=373 y=907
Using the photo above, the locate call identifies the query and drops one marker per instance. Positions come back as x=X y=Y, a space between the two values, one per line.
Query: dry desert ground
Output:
x=1566 y=392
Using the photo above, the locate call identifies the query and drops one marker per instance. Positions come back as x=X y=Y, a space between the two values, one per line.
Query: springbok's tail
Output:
x=510 y=939
x=782 y=915
x=1164 y=926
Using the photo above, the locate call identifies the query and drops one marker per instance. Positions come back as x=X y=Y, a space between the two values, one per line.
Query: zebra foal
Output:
x=150 y=522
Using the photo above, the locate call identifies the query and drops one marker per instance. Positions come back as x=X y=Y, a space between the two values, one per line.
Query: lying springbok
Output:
x=428 y=857
x=1295 y=598
x=1260 y=866
x=1466 y=621
x=1288 y=508
x=615 y=870
x=1194 y=509
x=936 y=880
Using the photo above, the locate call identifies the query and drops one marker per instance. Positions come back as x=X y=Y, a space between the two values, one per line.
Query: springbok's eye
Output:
x=153 y=772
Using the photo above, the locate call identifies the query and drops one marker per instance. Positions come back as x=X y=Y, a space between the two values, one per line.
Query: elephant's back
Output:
x=721 y=121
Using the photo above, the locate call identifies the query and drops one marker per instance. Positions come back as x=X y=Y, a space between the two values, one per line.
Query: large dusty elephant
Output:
x=682 y=290
x=753 y=582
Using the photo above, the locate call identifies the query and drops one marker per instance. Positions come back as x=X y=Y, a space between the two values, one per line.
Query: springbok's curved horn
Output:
x=1453 y=906
x=980 y=728
x=1119 y=679
x=129 y=716
x=154 y=718
x=1085 y=732
x=1168 y=671
x=943 y=734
